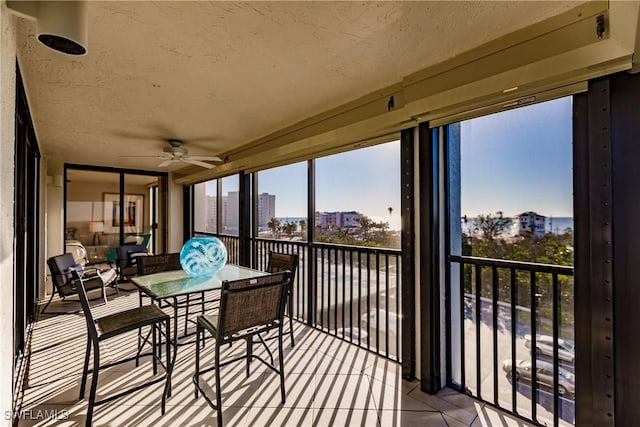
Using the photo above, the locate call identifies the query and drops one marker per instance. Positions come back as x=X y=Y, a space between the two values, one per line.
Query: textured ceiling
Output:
x=222 y=74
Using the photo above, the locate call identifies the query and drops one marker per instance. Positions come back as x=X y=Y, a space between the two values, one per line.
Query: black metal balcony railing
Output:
x=350 y=292
x=525 y=308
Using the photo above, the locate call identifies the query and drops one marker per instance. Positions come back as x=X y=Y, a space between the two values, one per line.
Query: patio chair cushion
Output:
x=129 y=320
x=133 y=257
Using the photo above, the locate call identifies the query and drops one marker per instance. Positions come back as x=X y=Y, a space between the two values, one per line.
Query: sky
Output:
x=513 y=161
x=519 y=160
x=366 y=180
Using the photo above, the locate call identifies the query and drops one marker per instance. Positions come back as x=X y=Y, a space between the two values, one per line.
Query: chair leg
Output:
x=154 y=346
x=169 y=367
x=47 y=304
x=196 y=375
x=186 y=313
x=218 y=389
x=85 y=368
x=290 y=308
x=94 y=383
x=139 y=329
x=249 y=354
x=281 y=357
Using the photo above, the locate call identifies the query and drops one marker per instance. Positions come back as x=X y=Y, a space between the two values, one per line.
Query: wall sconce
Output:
x=61 y=25
x=97 y=228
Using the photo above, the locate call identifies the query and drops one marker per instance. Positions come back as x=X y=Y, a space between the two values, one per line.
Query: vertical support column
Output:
x=625 y=203
x=429 y=261
x=254 y=217
x=161 y=229
x=218 y=205
x=311 y=231
x=244 y=222
x=594 y=257
x=122 y=208
x=187 y=212
x=407 y=157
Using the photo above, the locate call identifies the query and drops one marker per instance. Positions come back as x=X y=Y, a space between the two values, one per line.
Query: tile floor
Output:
x=329 y=383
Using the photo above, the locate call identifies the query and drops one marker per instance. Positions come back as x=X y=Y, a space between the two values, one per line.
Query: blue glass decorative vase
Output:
x=203 y=256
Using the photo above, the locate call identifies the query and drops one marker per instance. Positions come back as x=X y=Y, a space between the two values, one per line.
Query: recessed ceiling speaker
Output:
x=61 y=25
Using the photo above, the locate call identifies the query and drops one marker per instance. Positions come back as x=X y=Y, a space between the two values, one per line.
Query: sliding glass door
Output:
x=106 y=208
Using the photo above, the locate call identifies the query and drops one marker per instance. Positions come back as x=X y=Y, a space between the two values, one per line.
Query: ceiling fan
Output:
x=175 y=152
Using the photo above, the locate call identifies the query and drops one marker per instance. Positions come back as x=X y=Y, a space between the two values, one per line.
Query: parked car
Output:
x=544 y=375
x=544 y=346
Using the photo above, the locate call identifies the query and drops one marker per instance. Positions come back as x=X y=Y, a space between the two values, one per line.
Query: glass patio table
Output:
x=168 y=286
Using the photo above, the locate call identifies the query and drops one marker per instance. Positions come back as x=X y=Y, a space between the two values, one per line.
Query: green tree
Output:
x=491 y=226
x=365 y=226
x=289 y=229
x=274 y=225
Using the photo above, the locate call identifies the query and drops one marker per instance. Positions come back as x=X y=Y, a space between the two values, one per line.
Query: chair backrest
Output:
x=251 y=303
x=157 y=263
x=60 y=267
x=282 y=262
x=86 y=308
x=128 y=252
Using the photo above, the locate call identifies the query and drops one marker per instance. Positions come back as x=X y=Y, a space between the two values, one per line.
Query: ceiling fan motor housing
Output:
x=176 y=152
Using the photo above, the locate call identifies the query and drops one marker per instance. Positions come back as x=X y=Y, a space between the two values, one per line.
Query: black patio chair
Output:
x=61 y=267
x=127 y=261
x=167 y=262
x=158 y=263
x=285 y=262
x=248 y=308
x=114 y=325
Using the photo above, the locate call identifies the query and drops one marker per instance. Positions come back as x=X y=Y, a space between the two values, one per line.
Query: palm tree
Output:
x=303 y=228
x=289 y=228
x=274 y=225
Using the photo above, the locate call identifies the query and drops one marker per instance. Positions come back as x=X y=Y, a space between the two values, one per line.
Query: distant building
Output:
x=266 y=210
x=230 y=211
x=328 y=220
x=529 y=222
x=200 y=214
x=212 y=214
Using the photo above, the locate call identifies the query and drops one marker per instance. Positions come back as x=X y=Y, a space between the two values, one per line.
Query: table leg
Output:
x=175 y=340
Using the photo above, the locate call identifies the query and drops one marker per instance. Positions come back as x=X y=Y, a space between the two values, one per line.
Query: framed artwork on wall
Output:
x=133 y=213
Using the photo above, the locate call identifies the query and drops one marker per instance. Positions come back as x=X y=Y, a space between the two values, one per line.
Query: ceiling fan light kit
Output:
x=177 y=153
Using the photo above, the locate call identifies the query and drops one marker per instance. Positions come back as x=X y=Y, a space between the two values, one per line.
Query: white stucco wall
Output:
x=174 y=220
x=7 y=137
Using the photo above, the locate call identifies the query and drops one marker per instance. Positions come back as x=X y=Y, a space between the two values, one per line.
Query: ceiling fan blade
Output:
x=142 y=157
x=165 y=163
x=198 y=163
x=209 y=158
